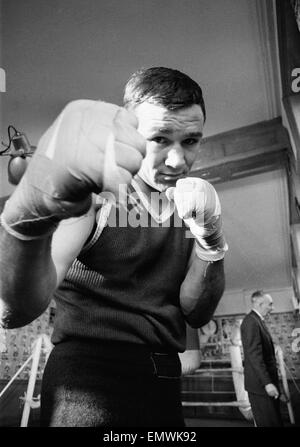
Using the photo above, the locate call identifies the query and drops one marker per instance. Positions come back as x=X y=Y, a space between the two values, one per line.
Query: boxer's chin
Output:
x=159 y=181
x=151 y=179
x=162 y=184
x=165 y=182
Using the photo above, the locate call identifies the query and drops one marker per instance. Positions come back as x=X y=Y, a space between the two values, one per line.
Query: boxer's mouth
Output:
x=171 y=176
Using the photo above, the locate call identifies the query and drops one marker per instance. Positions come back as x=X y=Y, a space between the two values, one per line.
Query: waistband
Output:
x=126 y=358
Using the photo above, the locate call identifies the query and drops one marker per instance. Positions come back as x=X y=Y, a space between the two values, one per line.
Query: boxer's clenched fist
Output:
x=195 y=198
x=198 y=204
x=92 y=146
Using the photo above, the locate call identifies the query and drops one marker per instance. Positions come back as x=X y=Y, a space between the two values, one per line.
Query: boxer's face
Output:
x=173 y=140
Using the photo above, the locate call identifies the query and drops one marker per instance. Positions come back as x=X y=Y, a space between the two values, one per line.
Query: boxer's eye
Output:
x=190 y=141
x=159 y=140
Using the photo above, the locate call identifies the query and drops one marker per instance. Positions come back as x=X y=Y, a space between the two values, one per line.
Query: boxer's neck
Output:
x=157 y=199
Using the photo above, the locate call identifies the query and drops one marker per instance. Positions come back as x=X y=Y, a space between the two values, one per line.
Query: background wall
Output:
x=59 y=50
x=256 y=225
x=3 y=162
x=1 y=65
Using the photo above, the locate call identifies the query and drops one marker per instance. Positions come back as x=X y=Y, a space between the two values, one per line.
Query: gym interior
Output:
x=246 y=56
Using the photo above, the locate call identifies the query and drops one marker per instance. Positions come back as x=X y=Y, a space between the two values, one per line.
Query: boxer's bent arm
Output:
x=30 y=271
x=201 y=291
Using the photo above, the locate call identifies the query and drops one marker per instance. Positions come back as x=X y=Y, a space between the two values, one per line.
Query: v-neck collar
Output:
x=159 y=218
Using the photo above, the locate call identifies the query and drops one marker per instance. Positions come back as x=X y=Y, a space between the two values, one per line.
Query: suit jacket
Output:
x=259 y=355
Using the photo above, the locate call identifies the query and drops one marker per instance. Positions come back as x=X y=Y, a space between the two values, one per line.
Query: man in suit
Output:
x=260 y=369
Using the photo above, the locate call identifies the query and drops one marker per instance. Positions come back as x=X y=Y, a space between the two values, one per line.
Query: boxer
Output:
x=124 y=294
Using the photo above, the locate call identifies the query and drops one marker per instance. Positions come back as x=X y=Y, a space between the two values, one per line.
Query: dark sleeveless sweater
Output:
x=125 y=288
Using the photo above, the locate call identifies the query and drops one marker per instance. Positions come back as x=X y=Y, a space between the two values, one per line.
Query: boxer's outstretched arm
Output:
x=92 y=146
x=201 y=291
x=30 y=271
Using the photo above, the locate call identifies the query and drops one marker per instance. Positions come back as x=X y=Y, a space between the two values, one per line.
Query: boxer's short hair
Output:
x=163 y=86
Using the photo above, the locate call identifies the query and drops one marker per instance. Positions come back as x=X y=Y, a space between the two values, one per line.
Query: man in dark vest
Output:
x=107 y=221
x=260 y=368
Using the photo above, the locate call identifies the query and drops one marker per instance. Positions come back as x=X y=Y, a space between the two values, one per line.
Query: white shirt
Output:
x=260 y=316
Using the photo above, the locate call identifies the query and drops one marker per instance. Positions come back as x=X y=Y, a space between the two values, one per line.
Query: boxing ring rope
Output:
x=16 y=375
x=285 y=385
x=243 y=404
x=31 y=382
x=29 y=400
x=237 y=371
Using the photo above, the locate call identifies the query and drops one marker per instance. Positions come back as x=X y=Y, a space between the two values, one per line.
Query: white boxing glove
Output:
x=92 y=146
x=198 y=204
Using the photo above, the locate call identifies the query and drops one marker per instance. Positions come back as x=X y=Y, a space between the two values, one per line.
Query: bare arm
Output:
x=201 y=291
x=31 y=270
x=27 y=279
x=92 y=146
x=198 y=204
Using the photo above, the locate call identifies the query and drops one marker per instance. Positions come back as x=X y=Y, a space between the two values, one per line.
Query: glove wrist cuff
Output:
x=9 y=228
x=22 y=216
x=211 y=255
